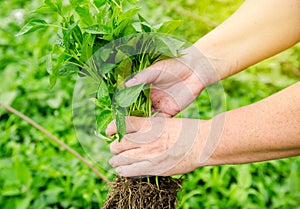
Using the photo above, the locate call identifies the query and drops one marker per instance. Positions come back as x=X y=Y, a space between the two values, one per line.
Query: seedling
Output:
x=109 y=41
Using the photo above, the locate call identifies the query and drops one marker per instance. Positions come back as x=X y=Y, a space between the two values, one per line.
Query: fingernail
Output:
x=131 y=82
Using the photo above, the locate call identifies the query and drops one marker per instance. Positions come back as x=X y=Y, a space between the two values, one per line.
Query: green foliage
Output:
x=126 y=97
x=34 y=173
x=108 y=46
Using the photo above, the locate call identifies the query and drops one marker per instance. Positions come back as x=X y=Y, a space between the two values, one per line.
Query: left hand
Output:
x=158 y=146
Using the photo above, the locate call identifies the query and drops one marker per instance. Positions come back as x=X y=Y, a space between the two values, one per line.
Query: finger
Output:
x=148 y=75
x=111 y=128
x=136 y=169
x=163 y=115
x=126 y=158
x=135 y=140
x=117 y=147
x=133 y=124
x=138 y=139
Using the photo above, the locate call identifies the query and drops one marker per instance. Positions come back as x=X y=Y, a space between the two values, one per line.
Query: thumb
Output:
x=149 y=75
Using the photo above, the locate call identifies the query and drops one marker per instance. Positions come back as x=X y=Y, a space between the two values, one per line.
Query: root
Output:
x=143 y=193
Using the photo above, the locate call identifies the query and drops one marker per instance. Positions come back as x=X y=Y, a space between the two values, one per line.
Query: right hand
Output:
x=174 y=85
x=159 y=146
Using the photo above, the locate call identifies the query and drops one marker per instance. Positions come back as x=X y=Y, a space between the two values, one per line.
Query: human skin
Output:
x=268 y=129
x=256 y=31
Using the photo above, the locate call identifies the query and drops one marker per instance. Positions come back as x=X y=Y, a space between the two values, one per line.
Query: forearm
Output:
x=269 y=129
x=257 y=30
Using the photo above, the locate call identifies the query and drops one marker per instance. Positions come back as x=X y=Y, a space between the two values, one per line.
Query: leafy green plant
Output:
x=60 y=181
x=107 y=41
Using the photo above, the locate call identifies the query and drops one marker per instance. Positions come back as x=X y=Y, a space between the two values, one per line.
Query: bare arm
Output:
x=257 y=30
x=268 y=129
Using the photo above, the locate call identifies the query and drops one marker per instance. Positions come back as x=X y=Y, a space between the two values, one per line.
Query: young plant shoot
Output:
x=109 y=41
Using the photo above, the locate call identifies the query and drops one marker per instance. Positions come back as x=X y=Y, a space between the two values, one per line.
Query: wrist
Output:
x=220 y=55
x=201 y=66
x=209 y=137
x=214 y=151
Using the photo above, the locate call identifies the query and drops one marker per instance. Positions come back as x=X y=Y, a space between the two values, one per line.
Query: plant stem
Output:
x=95 y=7
x=157 y=183
x=56 y=26
x=55 y=139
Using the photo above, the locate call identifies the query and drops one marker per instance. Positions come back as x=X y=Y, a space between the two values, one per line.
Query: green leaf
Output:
x=103 y=119
x=169 y=26
x=127 y=49
x=146 y=27
x=63 y=58
x=142 y=19
x=138 y=113
x=170 y=46
x=23 y=174
x=103 y=95
x=124 y=68
x=244 y=176
x=124 y=51
x=129 y=30
x=55 y=7
x=128 y=15
x=106 y=68
x=75 y=3
x=59 y=39
x=99 y=3
x=293 y=179
x=59 y=6
x=85 y=15
x=24 y=202
x=117 y=31
x=120 y=121
x=52 y=193
x=52 y=80
x=105 y=53
x=87 y=47
x=98 y=29
x=126 y=97
x=120 y=56
x=72 y=29
x=68 y=69
x=32 y=26
x=7 y=98
x=133 y=41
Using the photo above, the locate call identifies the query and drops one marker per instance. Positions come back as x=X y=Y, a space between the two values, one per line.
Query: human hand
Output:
x=176 y=82
x=158 y=146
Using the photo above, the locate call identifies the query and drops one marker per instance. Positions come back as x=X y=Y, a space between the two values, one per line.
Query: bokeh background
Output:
x=35 y=173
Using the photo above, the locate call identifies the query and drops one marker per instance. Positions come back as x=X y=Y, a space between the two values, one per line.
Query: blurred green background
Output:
x=35 y=173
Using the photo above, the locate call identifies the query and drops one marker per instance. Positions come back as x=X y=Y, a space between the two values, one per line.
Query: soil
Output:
x=143 y=193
